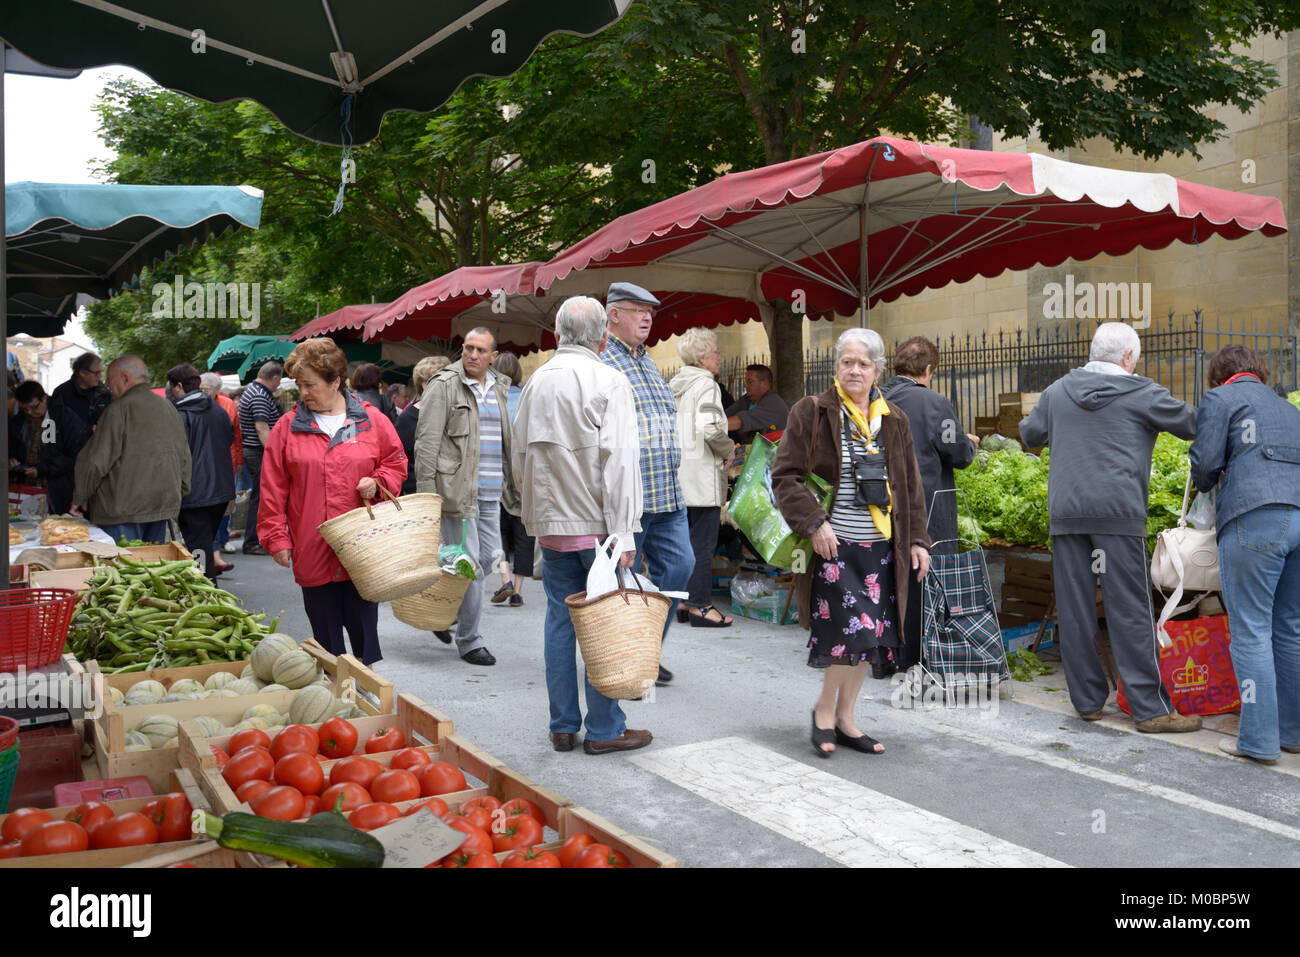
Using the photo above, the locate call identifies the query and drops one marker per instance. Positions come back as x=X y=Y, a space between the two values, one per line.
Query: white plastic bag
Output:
x=1201 y=513
x=603 y=576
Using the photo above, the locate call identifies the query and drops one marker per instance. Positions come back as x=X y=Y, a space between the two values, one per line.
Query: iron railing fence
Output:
x=974 y=369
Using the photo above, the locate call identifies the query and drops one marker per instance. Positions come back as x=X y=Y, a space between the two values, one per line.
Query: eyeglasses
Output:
x=30 y=407
x=637 y=310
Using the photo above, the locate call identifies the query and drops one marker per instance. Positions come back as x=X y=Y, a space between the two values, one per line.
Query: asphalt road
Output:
x=731 y=778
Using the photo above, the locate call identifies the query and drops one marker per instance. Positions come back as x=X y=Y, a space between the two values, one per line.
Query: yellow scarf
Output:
x=869 y=426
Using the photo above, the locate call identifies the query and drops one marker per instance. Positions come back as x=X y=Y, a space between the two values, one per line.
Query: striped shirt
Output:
x=850 y=522
x=656 y=419
x=491 y=465
x=256 y=405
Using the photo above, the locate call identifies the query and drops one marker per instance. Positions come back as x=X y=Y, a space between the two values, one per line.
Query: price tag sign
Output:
x=418 y=840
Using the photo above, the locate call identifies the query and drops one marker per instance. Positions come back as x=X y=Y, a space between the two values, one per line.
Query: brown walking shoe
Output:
x=629 y=741
x=563 y=741
x=1172 y=723
x=1091 y=715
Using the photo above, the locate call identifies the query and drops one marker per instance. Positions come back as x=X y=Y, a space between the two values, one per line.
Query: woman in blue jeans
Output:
x=1248 y=443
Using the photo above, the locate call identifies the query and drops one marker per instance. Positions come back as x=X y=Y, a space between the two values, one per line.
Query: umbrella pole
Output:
x=4 y=325
x=863 y=315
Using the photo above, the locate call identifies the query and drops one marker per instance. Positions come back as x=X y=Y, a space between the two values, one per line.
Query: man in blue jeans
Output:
x=665 y=535
x=576 y=466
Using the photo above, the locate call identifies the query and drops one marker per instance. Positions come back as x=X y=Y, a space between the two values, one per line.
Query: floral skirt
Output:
x=854 y=610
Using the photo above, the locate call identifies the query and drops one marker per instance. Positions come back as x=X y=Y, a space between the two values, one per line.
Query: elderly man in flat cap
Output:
x=665 y=536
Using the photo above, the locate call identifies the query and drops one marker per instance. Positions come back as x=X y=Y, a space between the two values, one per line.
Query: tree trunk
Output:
x=785 y=342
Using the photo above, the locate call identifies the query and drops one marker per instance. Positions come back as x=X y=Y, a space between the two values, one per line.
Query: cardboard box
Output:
x=1013 y=639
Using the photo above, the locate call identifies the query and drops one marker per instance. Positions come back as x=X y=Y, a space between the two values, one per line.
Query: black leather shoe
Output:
x=479 y=656
x=443 y=636
x=665 y=676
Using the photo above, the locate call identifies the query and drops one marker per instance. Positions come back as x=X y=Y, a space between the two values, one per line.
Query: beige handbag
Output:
x=1185 y=560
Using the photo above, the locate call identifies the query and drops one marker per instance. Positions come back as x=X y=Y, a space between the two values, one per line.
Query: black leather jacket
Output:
x=209 y=433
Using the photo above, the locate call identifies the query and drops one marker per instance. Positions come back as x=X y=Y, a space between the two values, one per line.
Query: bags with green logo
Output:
x=753 y=509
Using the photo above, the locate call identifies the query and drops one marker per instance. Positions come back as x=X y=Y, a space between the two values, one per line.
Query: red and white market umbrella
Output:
x=870 y=222
x=349 y=320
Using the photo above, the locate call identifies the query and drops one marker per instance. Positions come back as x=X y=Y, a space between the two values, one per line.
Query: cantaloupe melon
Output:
x=294 y=669
x=312 y=705
x=267 y=651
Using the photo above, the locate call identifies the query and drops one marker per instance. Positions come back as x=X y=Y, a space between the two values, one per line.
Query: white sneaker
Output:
x=230 y=548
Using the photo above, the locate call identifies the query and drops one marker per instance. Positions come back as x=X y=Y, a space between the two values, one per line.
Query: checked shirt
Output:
x=656 y=419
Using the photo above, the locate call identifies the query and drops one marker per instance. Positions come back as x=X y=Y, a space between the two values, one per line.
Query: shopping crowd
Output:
x=597 y=445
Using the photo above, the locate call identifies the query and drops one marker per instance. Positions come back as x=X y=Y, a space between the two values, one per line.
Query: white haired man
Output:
x=1101 y=422
x=133 y=471
x=576 y=460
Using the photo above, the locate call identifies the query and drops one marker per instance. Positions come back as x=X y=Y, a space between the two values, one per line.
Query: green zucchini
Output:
x=306 y=844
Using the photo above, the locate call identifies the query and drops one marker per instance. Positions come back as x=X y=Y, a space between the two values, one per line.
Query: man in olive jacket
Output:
x=134 y=470
x=462 y=451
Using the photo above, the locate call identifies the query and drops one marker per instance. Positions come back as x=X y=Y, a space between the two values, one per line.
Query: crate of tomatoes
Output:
x=98 y=834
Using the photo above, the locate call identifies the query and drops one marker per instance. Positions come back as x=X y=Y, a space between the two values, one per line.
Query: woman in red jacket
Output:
x=332 y=449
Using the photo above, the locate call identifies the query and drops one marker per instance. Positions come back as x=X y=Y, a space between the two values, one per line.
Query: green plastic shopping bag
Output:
x=753 y=508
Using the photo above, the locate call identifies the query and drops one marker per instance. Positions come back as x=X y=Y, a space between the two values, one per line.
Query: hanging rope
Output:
x=889 y=151
x=345 y=163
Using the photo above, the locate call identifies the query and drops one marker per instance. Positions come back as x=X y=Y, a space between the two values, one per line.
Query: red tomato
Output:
x=602 y=855
x=356 y=769
x=437 y=805
x=370 y=816
x=353 y=794
x=477 y=840
x=524 y=806
x=171 y=815
x=477 y=816
x=519 y=831
x=125 y=830
x=251 y=789
x=410 y=759
x=255 y=737
x=338 y=738
x=389 y=739
x=394 y=786
x=11 y=849
x=532 y=857
x=441 y=778
x=55 y=837
x=572 y=849
x=89 y=815
x=465 y=859
x=220 y=755
x=250 y=764
x=301 y=770
x=295 y=739
x=487 y=802
x=310 y=805
x=21 y=821
x=281 y=803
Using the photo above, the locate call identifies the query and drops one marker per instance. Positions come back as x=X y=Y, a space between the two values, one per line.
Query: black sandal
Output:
x=700 y=618
x=822 y=736
x=864 y=743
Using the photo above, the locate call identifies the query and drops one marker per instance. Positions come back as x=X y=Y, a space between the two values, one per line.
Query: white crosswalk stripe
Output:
x=845 y=821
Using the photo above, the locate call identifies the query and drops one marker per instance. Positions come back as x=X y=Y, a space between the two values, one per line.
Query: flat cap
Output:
x=630 y=292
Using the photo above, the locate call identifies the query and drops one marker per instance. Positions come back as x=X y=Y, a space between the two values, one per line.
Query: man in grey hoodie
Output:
x=1101 y=424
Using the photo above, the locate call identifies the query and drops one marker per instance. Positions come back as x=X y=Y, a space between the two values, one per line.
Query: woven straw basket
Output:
x=390 y=549
x=436 y=607
x=620 y=635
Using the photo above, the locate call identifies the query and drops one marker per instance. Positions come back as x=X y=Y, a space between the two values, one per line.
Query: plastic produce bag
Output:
x=753 y=508
x=761 y=597
x=1201 y=512
x=455 y=560
x=603 y=575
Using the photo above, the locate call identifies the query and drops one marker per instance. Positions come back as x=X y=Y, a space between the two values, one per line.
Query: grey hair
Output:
x=211 y=380
x=870 y=340
x=695 y=344
x=1112 y=340
x=132 y=365
x=426 y=369
x=580 y=321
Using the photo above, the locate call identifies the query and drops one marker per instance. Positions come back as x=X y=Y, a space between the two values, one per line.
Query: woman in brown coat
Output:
x=872 y=538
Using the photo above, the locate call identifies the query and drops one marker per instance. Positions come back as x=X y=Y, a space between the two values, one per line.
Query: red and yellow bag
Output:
x=1196 y=668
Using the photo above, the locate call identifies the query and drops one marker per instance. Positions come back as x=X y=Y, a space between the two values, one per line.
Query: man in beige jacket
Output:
x=576 y=458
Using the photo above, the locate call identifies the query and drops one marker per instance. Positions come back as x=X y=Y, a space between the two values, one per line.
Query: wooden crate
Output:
x=985 y=425
x=180 y=780
x=110 y=728
x=577 y=820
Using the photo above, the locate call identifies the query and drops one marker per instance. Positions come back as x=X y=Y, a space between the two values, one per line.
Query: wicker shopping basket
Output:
x=390 y=549
x=436 y=607
x=620 y=634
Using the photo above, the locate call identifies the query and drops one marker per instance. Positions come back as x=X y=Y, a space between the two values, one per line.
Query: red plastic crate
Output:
x=34 y=626
x=106 y=789
x=49 y=756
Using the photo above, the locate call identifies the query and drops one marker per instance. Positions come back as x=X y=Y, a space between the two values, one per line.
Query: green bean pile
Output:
x=137 y=616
